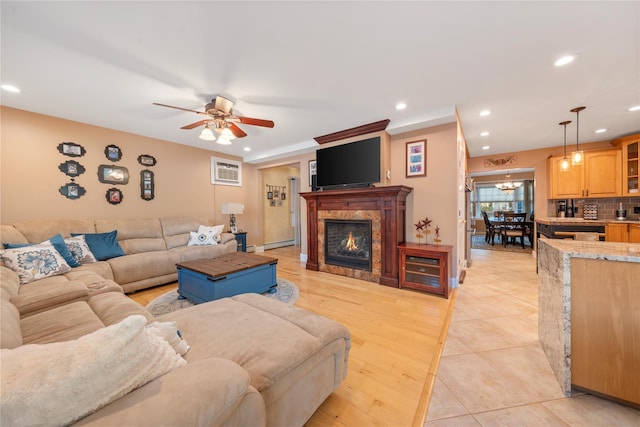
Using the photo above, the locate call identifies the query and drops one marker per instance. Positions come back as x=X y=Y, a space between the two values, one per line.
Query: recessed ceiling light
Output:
x=485 y=133
x=247 y=149
x=10 y=88
x=635 y=108
x=484 y=113
x=485 y=147
x=401 y=106
x=601 y=130
x=564 y=60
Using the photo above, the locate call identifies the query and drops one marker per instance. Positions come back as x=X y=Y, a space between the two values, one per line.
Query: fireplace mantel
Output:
x=389 y=201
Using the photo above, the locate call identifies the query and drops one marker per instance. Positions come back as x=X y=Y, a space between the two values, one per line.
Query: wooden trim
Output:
x=356 y=131
x=389 y=201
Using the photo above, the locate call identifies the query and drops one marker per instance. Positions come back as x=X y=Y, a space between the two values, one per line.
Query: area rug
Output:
x=286 y=292
x=478 y=242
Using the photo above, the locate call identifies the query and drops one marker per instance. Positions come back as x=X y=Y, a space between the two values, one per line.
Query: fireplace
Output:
x=384 y=206
x=347 y=243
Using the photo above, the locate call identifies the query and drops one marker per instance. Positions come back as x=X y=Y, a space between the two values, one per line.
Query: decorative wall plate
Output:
x=71 y=149
x=113 y=152
x=114 y=196
x=71 y=168
x=147 y=187
x=112 y=174
x=146 y=160
x=71 y=190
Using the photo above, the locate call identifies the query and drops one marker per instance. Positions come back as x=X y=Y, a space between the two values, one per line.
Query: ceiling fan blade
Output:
x=195 y=125
x=223 y=104
x=256 y=122
x=180 y=108
x=239 y=133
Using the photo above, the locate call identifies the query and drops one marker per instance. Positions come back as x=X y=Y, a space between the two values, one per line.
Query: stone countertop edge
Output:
x=612 y=251
x=582 y=221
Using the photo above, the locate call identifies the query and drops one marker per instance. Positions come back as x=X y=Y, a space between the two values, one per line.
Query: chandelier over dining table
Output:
x=508 y=185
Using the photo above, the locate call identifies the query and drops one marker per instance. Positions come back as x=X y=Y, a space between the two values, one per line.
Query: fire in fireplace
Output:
x=347 y=243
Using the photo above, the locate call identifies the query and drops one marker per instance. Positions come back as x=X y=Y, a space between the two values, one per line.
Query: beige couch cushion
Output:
x=10 y=333
x=42 y=295
x=38 y=231
x=10 y=234
x=135 y=235
x=176 y=229
x=64 y=323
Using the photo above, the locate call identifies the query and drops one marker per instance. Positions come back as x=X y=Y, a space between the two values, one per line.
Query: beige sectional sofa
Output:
x=252 y=360
x=152 y=246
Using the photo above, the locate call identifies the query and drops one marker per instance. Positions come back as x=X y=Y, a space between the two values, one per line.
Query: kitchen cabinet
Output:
x=630 y=164
x=425 y=267
x=564 y=184
x=599 y=176
x=605 y=307
x=624 y=232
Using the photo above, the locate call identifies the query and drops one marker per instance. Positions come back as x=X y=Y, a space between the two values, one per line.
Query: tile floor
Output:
x=493 y=371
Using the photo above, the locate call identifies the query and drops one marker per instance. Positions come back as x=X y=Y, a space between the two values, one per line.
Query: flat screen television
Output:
x=356 y=164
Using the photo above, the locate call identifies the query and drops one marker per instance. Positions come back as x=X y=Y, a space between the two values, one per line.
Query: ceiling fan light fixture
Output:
x=226 y=133
x=207 y=134
x=223 y=141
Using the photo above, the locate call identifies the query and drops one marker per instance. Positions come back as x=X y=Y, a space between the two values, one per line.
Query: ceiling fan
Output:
x=220 y=117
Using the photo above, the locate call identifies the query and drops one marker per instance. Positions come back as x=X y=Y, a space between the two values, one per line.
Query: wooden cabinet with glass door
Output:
x=630 y=164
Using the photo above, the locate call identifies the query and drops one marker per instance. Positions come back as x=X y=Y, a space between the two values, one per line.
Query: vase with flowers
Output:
x=437 y=240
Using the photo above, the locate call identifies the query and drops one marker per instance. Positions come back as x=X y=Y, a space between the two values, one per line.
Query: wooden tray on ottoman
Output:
x=236 y=273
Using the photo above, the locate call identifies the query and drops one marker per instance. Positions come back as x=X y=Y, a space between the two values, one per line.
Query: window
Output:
x=487 y=198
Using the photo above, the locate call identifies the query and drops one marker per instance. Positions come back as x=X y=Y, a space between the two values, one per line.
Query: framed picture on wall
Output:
x=71 y=149
x=111 y=174
x=113 y=153
x=416 y=158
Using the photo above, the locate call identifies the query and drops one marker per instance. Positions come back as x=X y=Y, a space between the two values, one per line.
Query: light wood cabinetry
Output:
x=630 y=165
x=624 y=232
x=564 y=184
x=605 y=326
x=425 y=267
x=599 y=176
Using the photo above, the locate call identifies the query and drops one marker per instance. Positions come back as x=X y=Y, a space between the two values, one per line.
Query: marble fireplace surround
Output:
x=385 y=206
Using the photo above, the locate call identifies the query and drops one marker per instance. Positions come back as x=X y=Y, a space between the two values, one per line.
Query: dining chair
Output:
x=514 y=228
x=491 y=229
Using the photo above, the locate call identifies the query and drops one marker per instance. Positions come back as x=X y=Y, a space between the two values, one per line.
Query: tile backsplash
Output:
x=606 y=207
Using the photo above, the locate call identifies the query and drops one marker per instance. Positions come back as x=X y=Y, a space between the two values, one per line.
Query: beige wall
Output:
x=536 y=159
x=30 y=179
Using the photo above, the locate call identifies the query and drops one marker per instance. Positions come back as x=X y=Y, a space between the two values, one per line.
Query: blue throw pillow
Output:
x=103 y=245
x=58 y=243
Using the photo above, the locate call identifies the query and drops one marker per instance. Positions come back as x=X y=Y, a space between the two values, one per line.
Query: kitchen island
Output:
x=589 y=315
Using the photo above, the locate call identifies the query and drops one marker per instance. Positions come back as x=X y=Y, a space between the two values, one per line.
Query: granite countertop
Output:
x=613 y=251
x=581 y=221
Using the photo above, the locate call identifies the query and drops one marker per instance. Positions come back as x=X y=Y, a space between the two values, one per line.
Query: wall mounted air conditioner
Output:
x=226 y=172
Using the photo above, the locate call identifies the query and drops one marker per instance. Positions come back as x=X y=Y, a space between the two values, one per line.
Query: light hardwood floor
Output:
x=397 y=337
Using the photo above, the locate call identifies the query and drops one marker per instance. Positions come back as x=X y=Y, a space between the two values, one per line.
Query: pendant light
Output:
x=507 y=185
x=577 y=156
x=564 y=164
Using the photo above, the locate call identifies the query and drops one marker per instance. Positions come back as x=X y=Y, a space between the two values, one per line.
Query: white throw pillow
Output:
x=35 y=261
x=60 y=383
x=200 y=239
x=205 y=235
x=80 y=250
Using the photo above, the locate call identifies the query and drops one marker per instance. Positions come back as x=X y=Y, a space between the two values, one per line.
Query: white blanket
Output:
x=59 y=383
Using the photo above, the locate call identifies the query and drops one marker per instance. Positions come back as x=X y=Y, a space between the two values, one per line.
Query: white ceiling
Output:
x=319 y=67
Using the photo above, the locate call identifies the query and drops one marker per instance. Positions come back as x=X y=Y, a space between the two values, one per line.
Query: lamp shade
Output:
x=232 y=208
